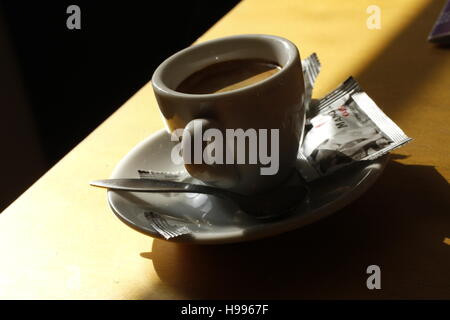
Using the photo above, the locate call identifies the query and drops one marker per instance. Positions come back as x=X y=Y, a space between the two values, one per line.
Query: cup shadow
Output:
x=400 y=225
x=408 y=62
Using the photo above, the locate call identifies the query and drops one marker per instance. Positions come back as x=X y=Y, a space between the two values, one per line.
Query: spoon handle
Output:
x=153 y=185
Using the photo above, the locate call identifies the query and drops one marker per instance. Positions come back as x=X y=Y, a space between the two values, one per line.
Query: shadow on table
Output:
x=399 y=225
x=406 y=64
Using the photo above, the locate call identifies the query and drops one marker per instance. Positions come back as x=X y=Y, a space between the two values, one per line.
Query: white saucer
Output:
x=214 y=220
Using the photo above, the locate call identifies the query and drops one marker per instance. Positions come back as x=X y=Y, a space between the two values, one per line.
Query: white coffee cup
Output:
x=275 y=104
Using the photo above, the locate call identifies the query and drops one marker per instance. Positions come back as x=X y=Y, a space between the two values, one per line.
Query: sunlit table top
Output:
x=60 y=240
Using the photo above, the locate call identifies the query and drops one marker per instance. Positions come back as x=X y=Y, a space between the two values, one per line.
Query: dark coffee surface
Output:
x=227 y=76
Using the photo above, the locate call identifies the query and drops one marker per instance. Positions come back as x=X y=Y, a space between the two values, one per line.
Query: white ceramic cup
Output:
x=276 y=102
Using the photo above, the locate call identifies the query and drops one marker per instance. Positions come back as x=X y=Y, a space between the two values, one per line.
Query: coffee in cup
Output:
x=227 y=76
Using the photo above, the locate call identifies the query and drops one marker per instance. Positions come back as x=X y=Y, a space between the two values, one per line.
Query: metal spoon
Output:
x=272 y=204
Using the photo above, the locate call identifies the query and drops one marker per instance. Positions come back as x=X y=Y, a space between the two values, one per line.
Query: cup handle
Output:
x=197 y=137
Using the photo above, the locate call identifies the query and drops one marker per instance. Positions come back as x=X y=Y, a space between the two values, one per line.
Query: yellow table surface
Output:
x=60 y=240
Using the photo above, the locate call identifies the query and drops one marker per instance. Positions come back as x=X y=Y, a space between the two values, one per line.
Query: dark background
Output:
x=57 y=85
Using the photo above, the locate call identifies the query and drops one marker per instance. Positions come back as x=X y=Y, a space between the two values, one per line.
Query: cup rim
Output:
x=162 y=88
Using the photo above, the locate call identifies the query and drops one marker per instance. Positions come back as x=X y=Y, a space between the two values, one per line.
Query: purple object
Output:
x=441 y=29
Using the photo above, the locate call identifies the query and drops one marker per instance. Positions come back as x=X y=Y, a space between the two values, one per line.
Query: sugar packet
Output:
x=162 y=226
x=178 y=176
x=347 y=127
x=311 y=68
